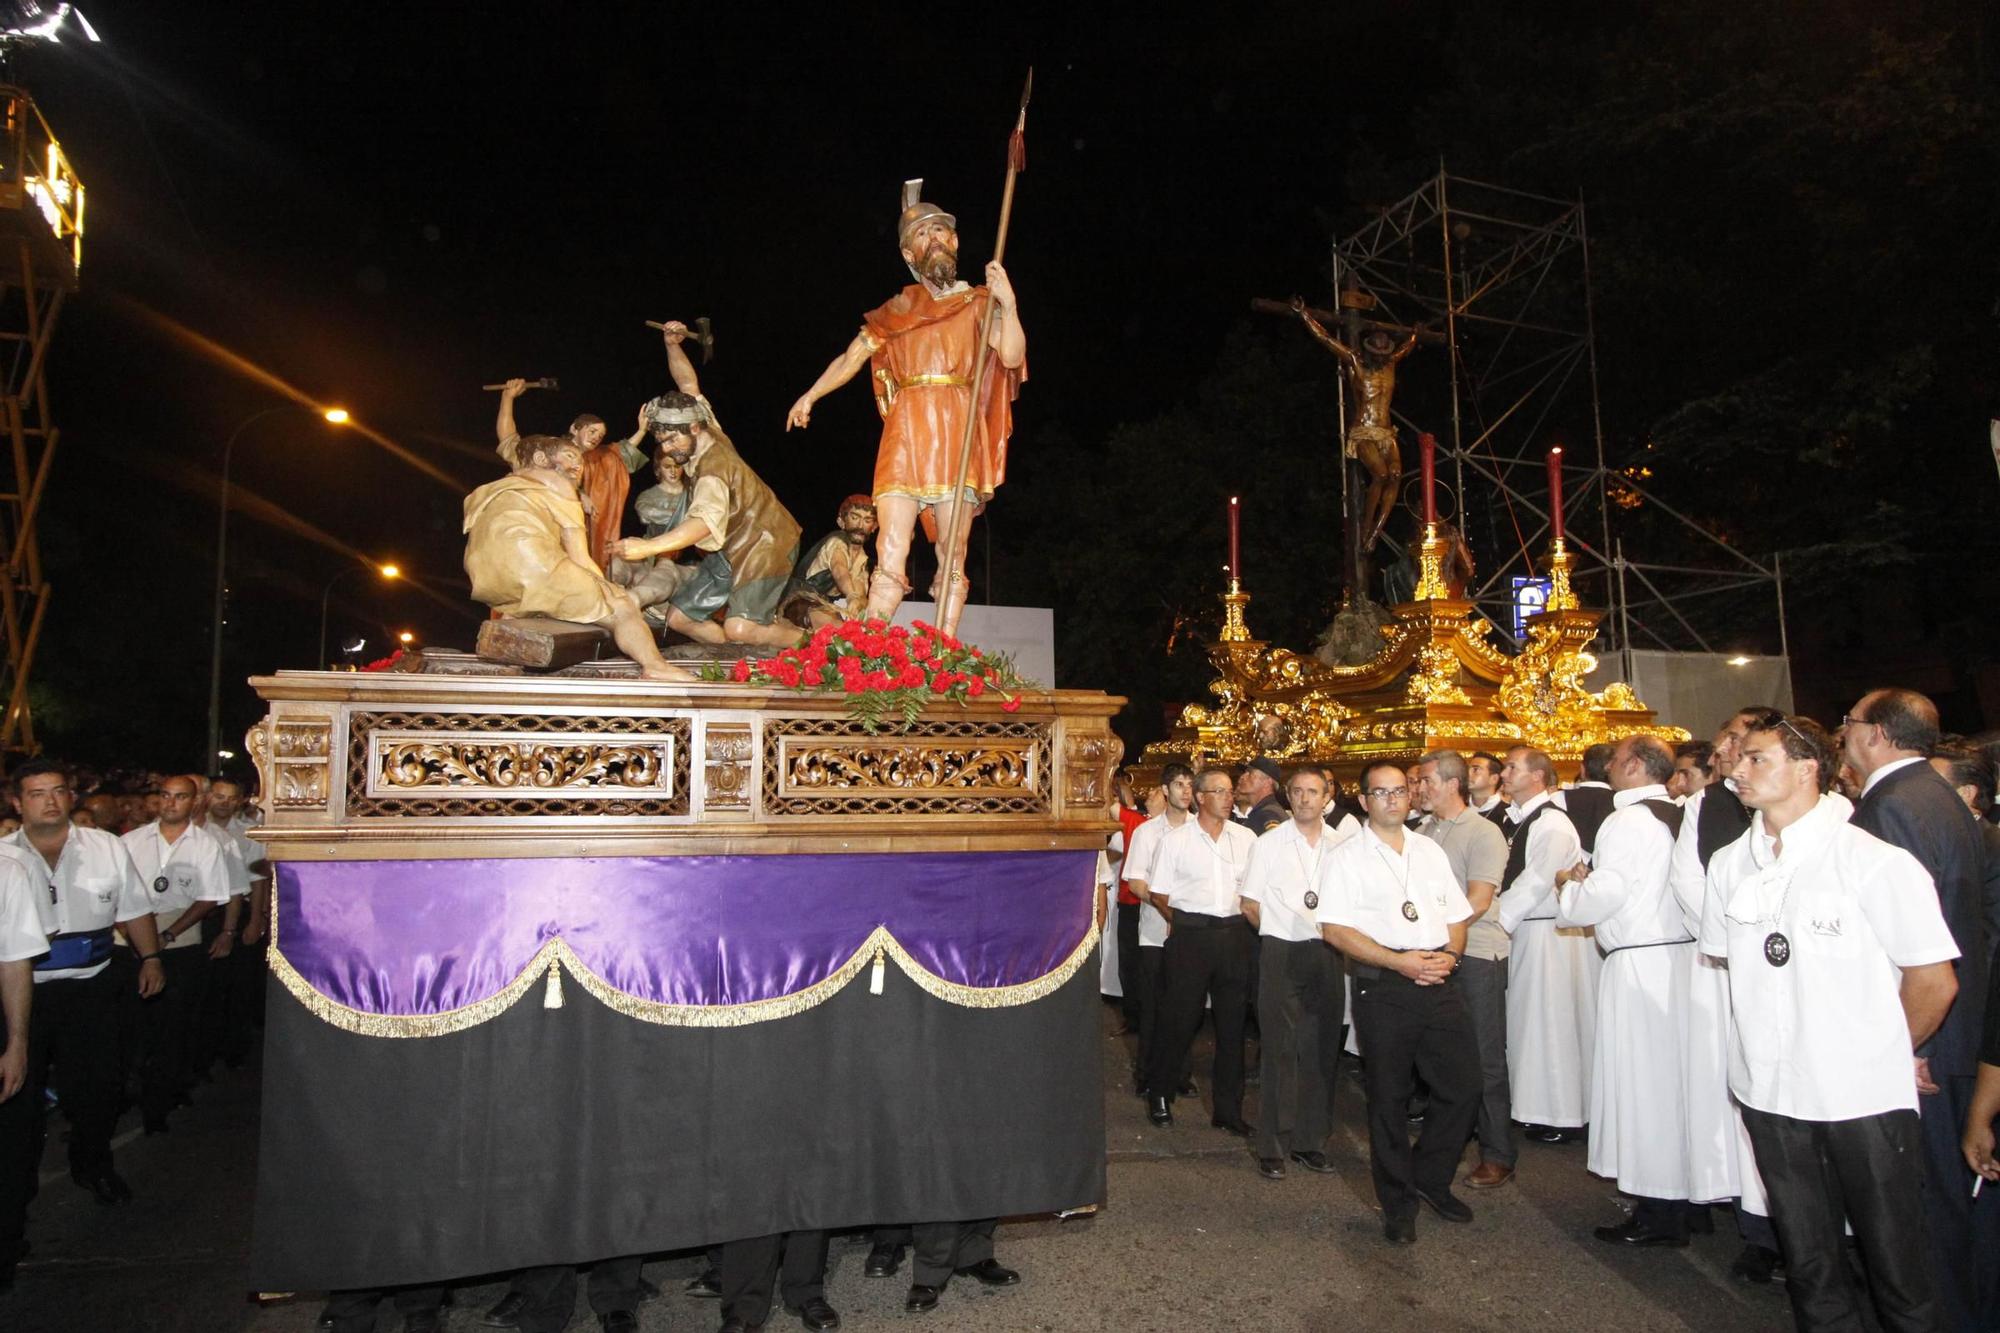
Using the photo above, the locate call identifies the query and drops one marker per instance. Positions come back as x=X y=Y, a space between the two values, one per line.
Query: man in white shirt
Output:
x=1177 y=782
x=1389 y=903
x=1839 y=964
x=236 y=971
x=85 y=885
x=1482 y=787
x=1552 y=970
x=1477 y=851
x=1299 y=984
x=188 y=877
x=22 y=939
x=1195 y=880
x=1638 y=1097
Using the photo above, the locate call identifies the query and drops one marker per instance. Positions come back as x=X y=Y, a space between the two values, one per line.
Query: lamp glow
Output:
x=337 y=415
x=1739 y=660
x=390 y=572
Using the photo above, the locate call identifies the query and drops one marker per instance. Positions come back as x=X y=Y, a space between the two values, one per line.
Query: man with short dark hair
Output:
x=85 y=886
x=1196 y=882
x=1299 y=984
x=1838 y=965
x=1638 y=1100
x=1482 y=787
x=1886 y=737
x=1588 y=803
x=1691 y=769
x=1389 y=903
x=1477 y=851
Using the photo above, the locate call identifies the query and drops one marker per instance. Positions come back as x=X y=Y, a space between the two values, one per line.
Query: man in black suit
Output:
x=1589 y=801
x=1887 y=738
x=1971 y=775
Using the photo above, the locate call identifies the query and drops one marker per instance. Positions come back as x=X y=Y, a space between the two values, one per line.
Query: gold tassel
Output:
x=552 y=996
x=875 y=973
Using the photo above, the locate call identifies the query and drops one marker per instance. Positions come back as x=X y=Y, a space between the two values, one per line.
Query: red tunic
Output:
x=925 y=351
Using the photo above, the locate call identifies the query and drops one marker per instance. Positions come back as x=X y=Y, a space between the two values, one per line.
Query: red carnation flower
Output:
x=741 y=671
x=1012 y=705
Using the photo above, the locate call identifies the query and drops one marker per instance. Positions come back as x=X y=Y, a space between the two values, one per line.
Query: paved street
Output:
x=1191 y=1238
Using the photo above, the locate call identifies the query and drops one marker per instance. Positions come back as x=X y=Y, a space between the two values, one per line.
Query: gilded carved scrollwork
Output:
x=896 y=767
x=298 y=762
x=819 y=766
x=727 y=754
x=1089 y=760
x=492 y=764
x=503 y=765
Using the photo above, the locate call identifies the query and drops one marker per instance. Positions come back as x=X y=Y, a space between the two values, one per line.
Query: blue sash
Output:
x=83 y=948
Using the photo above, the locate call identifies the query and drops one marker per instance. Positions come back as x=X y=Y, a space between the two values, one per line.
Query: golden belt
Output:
x=941 y=381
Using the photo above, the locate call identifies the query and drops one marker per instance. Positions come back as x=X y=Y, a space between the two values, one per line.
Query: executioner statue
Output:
x=922 y=347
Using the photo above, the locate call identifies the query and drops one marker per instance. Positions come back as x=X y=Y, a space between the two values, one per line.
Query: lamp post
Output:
x=326 y=598
x=337 y=416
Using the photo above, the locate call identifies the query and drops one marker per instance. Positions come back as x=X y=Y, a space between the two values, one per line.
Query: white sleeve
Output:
x=1615 y=874
x=1259 y=873
x=1552 y=846
x=1337 y=891
x=132 y=900
x=218 y=881
x=1687 y=877
x=1713 y=930
x=1901 y=903
x=232 y=860
x=1138 y=867
x=1457 y=906
x=21 y=932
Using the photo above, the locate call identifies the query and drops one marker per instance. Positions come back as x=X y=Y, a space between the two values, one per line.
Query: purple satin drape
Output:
x=425 y=937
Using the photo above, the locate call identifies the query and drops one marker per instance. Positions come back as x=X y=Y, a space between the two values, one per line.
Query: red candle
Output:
x=1427 y=445
x=1235 y=540
x=1556 y=491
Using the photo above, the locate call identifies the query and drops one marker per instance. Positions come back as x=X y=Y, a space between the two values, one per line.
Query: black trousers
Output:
x=940 y=1249
x=168 y=1025
x=1483 y=984
x=1128 y=968
x=354 y=1311
x=1299 y=1000
x=1206 y=958
x=1869 y=1171
x=796 y=1260
x=74 y=1025
x=551 y=1292
x=1151 y=981
x=1407 y=1031
x=1964 y=1251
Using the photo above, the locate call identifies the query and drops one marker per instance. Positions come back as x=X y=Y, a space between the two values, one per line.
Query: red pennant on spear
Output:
x=1017 y=162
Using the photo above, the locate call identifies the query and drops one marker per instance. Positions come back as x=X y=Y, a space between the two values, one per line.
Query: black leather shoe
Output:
x=816 y=1314
x=1236 y=1125
x=1159 y=1111
x=883 y=1260
x=1313 y=1161
x=104 y=1184
x=1550 y=1134
x=1271 y=1168
x=1755 y=1266
x=506 y=1312
x=921 y=1300
x=618 y=1321
x=990 y=1273
x=1700 y=1223
x=1637 y=1236
x=1446 y=1205
x=1400 y=1230
x=1187 y=1089
x=705 y=1285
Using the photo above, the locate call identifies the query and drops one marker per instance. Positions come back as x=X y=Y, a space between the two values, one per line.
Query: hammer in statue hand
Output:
x=701 y=331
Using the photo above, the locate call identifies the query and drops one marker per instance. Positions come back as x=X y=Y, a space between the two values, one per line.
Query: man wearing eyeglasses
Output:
x=1388 y=901
x=1197 y=877
x=1886 y=738
x=1638 y=1094
x=187 y=876
x=85 y=884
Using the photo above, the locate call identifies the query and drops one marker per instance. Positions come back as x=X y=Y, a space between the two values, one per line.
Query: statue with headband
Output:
x=922 y=350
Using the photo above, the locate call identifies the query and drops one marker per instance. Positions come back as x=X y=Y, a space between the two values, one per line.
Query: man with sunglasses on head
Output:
x=1839 y=965
x=187 y=875
x=1389 y=902
x=85 y=885
x=1887 y=737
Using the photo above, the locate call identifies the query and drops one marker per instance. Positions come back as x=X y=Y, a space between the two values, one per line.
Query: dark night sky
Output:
x=387 y=206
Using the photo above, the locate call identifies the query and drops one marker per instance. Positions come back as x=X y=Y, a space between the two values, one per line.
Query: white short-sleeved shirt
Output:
x=21 y=932
x=1822 y=1037
x=1200 y=874
x=1364 y=883
x=241 y=855
x=191 y=869
x=1153 y=929
x=1284 y=877
x=92 y=887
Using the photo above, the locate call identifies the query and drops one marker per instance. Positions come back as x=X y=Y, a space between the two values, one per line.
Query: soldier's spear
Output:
x=1017 y=162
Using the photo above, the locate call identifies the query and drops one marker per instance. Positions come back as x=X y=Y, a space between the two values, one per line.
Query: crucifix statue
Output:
x=1371 y=431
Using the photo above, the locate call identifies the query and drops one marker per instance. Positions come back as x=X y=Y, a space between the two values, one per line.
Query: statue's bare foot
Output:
x=666 y=672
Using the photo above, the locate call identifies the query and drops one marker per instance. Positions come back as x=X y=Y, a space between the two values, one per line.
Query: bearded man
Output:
x=832 y=576
x=923 y=349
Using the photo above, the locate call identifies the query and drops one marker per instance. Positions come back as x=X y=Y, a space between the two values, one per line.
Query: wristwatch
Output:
x=167 y=935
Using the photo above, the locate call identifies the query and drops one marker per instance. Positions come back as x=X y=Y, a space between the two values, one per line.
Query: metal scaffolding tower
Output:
x=1505 y=274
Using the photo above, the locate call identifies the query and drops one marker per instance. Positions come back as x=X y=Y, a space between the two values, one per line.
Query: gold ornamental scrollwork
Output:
x=727 y=751
x=903 y=767
x=1435 y=680
x=1089 y=760
x=300 y=764
x=510 y=765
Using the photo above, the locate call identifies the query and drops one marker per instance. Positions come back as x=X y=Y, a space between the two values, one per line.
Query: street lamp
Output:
x=406 y=638
x=337 y=416
x=325 y=600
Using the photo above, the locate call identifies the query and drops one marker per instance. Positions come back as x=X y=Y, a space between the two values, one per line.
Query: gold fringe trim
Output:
x=555 y=956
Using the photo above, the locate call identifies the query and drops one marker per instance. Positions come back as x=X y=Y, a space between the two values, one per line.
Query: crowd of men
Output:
x=1755 y=973
x=134 y=912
